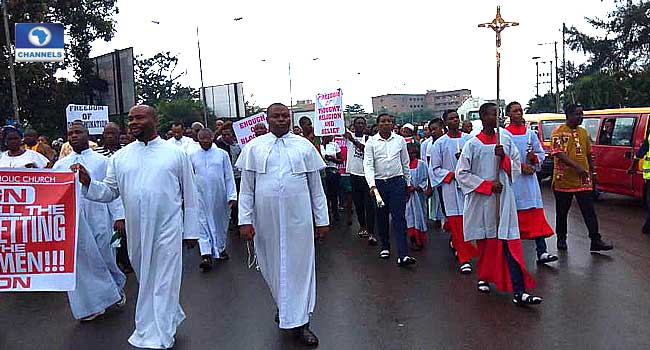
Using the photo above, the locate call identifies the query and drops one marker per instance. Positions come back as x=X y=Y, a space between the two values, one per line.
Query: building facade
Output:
x=433 y=100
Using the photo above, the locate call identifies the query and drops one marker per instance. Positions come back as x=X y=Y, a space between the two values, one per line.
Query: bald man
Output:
x=156 y=183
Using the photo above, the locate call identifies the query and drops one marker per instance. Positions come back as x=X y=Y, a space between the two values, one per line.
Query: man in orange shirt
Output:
x=31 y=142
x=574 y=175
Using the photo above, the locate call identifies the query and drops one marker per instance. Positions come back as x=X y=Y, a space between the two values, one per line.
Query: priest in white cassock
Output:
x=156 y=184
x=281 y=198
x=187 y=144
x=500 y=252
x=100 y=282
x=217 y=194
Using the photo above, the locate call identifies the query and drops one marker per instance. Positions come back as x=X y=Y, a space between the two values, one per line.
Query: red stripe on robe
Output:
x=533 y=224
x=493 y=267
x=420 y=236
x=464 y=250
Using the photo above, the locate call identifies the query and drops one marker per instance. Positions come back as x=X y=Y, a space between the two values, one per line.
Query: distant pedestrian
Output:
x=644 y=154
x=260 y=129
x=228 y=142
x=31 y=140
x=436 y=203
x=331 y=152
x=386 y=167
x=297 y=130
x=179 y=139
x=467 y=127
x=16 y=156
x=574 y=176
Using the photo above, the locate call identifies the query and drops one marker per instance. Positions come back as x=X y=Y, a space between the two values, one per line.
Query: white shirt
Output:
x=185 y=143
x=386 y=158
x=7 y=161
x=424 y=150
x=331 y=149
x=354 y=164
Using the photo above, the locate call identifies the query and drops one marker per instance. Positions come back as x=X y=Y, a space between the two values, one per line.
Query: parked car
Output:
x=616 y=135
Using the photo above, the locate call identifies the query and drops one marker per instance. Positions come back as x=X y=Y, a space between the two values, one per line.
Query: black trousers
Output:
x=563 y=201
x=364 y=204
x=516 y=275
x=234 y=212
x=332 y=184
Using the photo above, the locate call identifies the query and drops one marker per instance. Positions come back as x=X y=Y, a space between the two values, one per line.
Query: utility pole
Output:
x=12 y=72
x=557 y=83
x=290 y=93
x=563 y=57
x=537 y=76
x=205 y=104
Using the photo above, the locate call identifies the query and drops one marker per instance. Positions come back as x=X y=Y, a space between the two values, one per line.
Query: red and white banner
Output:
x=343 y=144
x=329 y=114
x=39 y=213
x=245 y=128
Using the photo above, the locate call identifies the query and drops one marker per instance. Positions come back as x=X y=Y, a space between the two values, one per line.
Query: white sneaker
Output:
x=93 y=316
x=122 y=301
x=384 y=254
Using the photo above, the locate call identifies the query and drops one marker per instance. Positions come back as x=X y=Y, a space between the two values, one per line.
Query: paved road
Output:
x=591 y=301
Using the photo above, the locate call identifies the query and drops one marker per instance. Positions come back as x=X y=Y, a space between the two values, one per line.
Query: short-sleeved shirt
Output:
x=7 y=161
x=576 y=145
x=354 y=164
x=331 y=149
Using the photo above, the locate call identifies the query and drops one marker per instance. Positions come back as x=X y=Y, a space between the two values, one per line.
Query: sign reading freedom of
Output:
x=94 y=118
x=329 y=114
x=39 y=213
x=244 y=129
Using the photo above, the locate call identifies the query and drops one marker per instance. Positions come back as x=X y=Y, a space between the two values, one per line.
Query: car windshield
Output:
x=548 y=126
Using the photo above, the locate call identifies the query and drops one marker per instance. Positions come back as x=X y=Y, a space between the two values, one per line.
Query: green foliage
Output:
x=156 y=79
x=617 y=73
x=354 y=109
x=186 y=111
x=251 y=108
x=542 y=104
x=42 y=97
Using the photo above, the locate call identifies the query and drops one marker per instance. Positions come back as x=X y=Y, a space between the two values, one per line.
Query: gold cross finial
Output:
x=498 y=25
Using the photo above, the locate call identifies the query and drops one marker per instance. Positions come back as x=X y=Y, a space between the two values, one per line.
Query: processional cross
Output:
x=498 y=24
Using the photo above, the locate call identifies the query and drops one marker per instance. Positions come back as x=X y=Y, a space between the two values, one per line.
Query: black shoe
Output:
x=306 y=336
x=206 y=263
x=277 y=316
x=372 y=240
x=223 y=255
x=598 y=245
x=561 y=244
x=526 y=299
x=405 y=261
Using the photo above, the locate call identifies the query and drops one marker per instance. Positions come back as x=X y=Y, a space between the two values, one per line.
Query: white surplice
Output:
x=215 y=183
x=477 y=164
x=282 y=196
x=187 y=144
x=99 y=280
x=416 y=205
x=157 y=187
x=443 y=161
x=527 y=192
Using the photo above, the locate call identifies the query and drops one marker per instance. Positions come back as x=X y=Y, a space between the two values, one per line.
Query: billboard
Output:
x=225 y=101
x=114 y=83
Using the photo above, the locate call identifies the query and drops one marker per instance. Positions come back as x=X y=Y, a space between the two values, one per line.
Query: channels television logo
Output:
x=39 y=42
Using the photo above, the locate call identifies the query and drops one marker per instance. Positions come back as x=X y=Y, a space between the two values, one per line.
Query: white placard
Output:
x=329 y=114
x=245 y=128
x=94 y=118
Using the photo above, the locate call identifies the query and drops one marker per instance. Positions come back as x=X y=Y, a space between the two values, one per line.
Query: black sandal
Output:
x=526 y=299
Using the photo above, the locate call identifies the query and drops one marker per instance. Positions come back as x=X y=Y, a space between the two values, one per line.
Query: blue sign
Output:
x=39 y=42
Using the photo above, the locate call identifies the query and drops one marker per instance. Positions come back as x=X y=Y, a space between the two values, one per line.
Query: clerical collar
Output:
x=156 y=140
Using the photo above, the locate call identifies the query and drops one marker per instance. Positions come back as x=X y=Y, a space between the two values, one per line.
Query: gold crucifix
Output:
x=498 y=24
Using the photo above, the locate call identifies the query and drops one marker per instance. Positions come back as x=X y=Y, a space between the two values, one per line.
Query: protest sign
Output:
x=39 y=213
x=329 y=114
x=245 y=128
x=343 y=144
x=94 y=118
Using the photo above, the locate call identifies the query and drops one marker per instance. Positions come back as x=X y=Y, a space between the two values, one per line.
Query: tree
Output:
x=542 y=104
x=186 y=111
x=617 y=71
x=41 y=96
x=156 y=79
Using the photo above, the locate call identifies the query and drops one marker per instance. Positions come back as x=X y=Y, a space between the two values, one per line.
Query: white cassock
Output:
x=216 y=186
x=99 y=280
x=185 y=143
x=527 y=191
x=156 y=184
x=282 y=196
x=443 y=162
x=416 y=205
x=477 y=164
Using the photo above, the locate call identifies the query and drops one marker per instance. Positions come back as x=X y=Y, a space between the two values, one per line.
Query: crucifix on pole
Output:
x=498 y=24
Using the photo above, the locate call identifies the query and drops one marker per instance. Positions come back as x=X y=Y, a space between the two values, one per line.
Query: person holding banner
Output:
x=485 y=173
x=16 y=156
x=100 y=282
x=363 y=202
x=332 y=154
x=217 y=194
x=386 y=167
x=280 y=202
x=156 y=183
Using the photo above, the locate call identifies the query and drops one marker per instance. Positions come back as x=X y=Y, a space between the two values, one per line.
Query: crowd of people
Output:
x=284 y=188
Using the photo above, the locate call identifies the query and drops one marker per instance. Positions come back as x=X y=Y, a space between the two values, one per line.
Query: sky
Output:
x=367 y=48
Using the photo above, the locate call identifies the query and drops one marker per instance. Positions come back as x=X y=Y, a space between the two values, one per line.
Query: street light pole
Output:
x=290 y=92
x=12 y=72
x=557 y=82
x=205 y=104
